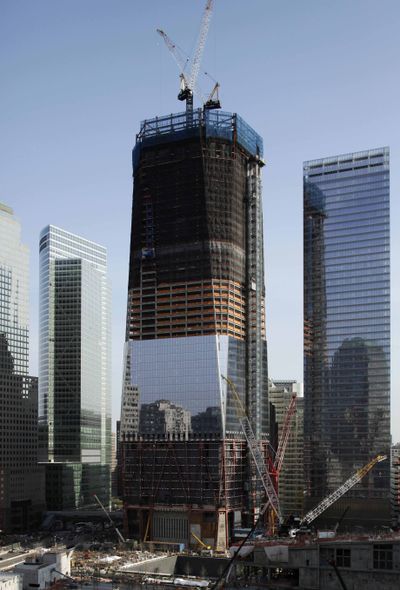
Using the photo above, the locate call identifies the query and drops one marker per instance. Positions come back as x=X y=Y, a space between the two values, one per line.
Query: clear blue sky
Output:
x=315 y=78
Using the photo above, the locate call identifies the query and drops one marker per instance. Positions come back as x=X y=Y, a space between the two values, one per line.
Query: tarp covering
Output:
x=244 y=551
x=277 y=553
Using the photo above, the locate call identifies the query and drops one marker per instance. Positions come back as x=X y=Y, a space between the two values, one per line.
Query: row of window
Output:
x=382 y=557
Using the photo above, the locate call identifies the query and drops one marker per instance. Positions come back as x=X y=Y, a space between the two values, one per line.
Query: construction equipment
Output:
x=334 y=496
x=119 y=534
x=272 y=496
x=188 y=82
x=213 y=101
x=276 y=467
x=200 y=542
x=284 y=436
x=181 y=62
x=228 y=568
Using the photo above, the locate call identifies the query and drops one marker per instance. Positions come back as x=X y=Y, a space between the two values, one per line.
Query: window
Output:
x=343 y=558
x=383 y=557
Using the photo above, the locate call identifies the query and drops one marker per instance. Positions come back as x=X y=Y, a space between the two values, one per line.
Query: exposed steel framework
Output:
x=196 y=270
x=203 y=479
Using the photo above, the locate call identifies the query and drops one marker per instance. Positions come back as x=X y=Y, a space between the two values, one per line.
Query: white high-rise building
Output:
x=74 y=369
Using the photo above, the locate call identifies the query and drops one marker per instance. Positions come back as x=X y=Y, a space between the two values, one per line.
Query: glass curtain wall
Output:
x=347 y=321
x=75 y=414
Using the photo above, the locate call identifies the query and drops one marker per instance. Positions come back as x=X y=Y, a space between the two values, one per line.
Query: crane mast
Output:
x=201 y=41
x=188 y=82
x=284 y=437
x=272 y=496
x=100 y=503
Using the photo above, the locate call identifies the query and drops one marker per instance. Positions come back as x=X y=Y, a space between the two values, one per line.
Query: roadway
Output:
x=9 y=560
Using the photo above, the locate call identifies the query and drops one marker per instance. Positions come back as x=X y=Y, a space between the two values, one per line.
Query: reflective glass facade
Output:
x=14 y=291
x=75 y=415
x=21 y=480
x=187 y=378
x=347 y=323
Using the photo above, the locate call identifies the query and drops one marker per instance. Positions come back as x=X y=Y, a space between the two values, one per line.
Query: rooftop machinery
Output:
x=188 y=86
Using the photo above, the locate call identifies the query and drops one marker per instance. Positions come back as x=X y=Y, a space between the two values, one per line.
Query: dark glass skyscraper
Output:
x=195 y=313
x=347 y=329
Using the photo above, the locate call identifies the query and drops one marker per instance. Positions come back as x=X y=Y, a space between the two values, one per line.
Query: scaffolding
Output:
x=197 y=478
x=177 y=127
x=196 y=269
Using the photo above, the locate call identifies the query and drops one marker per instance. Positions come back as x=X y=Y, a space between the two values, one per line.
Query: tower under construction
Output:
x=195 y=313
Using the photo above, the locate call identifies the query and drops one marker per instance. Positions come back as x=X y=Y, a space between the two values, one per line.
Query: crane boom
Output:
x=185 y=92
x=345 y=487
x=188 y=84
x=272 y=496
x=200 y=542
x=120 y=536
x=173 y=48
x=201 y=41
x=284 y=438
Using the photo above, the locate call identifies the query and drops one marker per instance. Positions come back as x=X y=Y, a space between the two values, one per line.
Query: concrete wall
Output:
x=43 y=571
x=181 y=565
x=10 y=581
x=315 y=572
x=359 y=580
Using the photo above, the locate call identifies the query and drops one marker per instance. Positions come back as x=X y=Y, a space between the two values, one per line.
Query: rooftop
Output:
x=211 y=123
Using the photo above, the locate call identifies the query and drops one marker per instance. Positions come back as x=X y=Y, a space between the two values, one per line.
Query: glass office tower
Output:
x=74 y=369
x=15 y=290
x=195 y=314
x=21 y=480
x=347 y=329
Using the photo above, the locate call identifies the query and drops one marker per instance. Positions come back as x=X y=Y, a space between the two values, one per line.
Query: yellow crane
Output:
x=334 y=496
x=200 y=542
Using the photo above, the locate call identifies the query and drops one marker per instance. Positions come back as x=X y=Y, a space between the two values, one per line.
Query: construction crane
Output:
x=213 y=101
x=265 y=474
x=285 y=434
x=188 y=82
x=181 y=62
x=334 y=496
x=119 y=534
x=276 y=466
x=269 y=487
x=200 y=542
